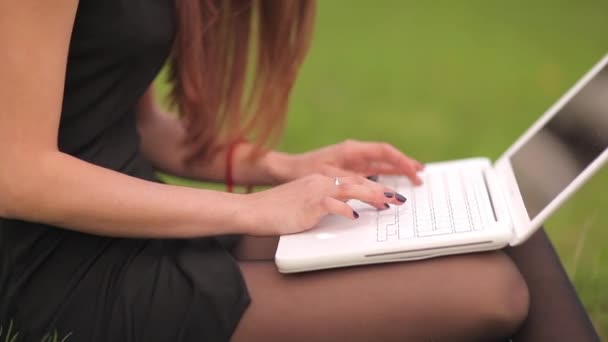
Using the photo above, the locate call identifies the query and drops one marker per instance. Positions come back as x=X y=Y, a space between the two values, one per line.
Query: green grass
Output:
x=425 y=75
x=11 y=334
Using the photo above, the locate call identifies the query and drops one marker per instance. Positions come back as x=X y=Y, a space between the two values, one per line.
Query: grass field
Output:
x=449 y=79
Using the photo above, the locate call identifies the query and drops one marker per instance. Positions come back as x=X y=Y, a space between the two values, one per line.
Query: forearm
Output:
x=162 y=136
x=161 y=142
x=57 y=189
x=266 y=170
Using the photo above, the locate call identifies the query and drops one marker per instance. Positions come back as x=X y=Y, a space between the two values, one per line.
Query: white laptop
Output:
x=471 y=205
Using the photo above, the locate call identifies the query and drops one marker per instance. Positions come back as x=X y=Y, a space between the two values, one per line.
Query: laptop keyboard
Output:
x=448 y=202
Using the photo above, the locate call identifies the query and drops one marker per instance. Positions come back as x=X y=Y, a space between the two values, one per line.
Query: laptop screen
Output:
x=571 y=140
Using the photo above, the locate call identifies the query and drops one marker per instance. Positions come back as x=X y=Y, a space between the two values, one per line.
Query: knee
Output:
x=507 y=298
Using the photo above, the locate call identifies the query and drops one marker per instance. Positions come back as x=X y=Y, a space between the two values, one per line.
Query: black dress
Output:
x=113 y=289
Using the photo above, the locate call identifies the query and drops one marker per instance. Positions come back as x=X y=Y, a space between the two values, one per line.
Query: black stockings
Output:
x=522 y=291
x=555 y=313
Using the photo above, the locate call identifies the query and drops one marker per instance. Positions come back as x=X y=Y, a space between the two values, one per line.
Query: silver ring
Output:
x=337 y=180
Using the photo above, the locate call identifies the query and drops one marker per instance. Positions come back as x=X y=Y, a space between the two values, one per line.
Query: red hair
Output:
x=233 y=67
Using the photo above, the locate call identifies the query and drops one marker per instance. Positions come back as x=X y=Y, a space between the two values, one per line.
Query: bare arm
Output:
x=39 y=183
x=161 y=136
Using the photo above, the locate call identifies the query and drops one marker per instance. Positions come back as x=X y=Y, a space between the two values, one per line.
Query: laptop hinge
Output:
x=485 y=182
x=503 y=208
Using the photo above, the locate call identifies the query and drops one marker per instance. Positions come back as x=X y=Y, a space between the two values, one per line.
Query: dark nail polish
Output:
x=388 y=194
x=355 y=214
x=373 y=178
x=386 y=205
x=400 y=198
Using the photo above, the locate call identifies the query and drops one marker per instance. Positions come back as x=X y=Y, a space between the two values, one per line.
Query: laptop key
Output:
x=382 y=236
x=447 y=203
x=462 y=228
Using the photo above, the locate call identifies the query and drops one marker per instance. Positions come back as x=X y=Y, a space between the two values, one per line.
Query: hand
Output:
x=299 y=205
x=351 y=158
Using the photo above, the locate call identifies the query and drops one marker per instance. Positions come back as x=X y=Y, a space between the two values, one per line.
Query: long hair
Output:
x=233 y=66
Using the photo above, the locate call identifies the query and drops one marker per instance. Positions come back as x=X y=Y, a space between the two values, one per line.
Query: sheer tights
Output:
x=522 y=291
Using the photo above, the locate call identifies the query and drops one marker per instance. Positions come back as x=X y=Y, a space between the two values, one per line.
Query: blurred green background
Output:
x=450 y=79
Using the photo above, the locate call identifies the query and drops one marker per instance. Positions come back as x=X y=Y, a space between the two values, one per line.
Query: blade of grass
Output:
x=66 y=337
x=580 y=244
x=15 y=337
x=8 y=333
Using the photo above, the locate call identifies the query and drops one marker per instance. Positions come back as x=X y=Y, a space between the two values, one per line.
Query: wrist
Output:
x=236 y=213
x=250 y=217
x=279 y=166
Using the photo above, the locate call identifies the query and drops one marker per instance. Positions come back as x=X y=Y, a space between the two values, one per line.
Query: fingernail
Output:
x=400 y=198
x=388 y=194
x=373 y=178
x=355 y=214
x=386 y=205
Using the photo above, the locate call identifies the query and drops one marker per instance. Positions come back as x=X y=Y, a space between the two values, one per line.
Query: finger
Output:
x=400 y=160
x=380 y=168
x=387 y=169
x=387 y=153
x=334 y=206
x=356 y=179
x=365 y=181
x=368 y=194
x=419 y=166
x=379 y=206
x=373 y=178
x=389 y=194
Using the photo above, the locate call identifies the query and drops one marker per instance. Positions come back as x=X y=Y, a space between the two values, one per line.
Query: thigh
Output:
x=253 y=248
x=467 y=297
x=554 y=301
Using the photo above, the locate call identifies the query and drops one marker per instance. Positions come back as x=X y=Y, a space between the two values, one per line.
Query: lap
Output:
x=449 y=298
x=251 y=248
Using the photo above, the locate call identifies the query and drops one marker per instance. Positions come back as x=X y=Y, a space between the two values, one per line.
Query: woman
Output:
x=94 y=246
